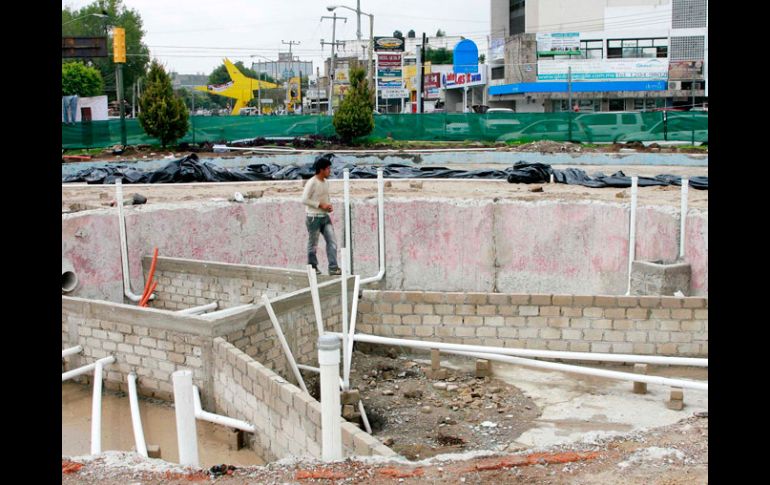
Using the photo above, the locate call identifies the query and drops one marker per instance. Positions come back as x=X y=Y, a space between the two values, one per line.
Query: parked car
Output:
x=679 y=128
x=607 y=127
x=555 y=130
x=499 y=110
x=498 y=121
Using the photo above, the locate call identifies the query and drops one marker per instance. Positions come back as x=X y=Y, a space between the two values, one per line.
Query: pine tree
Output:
x=355 y=116
x=164 y=115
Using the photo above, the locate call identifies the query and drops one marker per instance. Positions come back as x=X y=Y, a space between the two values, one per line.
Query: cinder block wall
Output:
x=617 y=324
x=185 y=283
x=288 y=421
x=152 y=343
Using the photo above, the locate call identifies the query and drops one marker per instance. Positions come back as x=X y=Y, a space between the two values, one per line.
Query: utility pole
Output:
x=291 y=71
x=569 y=102
x=358 y=20
x=332 y=66
x=420 y=93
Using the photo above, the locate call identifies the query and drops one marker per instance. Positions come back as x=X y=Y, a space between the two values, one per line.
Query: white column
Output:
x=331 y=431
x=184 y=407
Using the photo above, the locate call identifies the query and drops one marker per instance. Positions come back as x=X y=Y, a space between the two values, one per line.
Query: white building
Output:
x=634 y=54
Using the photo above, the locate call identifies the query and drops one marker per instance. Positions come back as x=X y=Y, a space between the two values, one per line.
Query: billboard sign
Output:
x=388 y=44
x=558 y=44
x=389 y=83
x=631 y=69
x=393 y=93
x=466 y=57
x=454 y=80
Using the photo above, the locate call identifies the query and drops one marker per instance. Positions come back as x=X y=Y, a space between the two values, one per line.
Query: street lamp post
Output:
x=369 y=67
x=100 y=15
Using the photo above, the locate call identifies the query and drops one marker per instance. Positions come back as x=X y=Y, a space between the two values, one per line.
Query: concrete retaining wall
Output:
x=616 y=324
x=431 y=244
x=288 y=421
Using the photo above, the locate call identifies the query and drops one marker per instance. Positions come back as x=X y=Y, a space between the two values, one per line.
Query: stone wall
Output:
x=288 y=421
x=617 y=324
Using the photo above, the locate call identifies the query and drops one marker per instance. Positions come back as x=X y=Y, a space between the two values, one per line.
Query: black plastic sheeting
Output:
x=191 y=169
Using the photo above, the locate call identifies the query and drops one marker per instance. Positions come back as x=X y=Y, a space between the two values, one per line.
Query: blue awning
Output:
x=578 y=87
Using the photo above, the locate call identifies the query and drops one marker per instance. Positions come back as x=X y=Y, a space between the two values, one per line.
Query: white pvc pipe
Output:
x=197 y=310
x=86 y=368
x=351 y=333
x=683 y=216
x=226 y=312
x=217 y=418
x=136 y=418
x=284 y=344
x=331 y=430
x=311 y=276
x=96 y=411
x=71 y=351
x=345 y=321
x=535 y=353
x=348 y=234
x=380 y=228
x=184 y=408
x=575 y=369
x=632 y=237
x=123 y=244
x=309 y=368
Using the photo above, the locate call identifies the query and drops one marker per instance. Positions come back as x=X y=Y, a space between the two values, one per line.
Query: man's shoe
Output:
x=317 y=271
x=335 y=272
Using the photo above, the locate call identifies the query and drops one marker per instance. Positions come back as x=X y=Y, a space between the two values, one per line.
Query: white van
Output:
x=608 y=126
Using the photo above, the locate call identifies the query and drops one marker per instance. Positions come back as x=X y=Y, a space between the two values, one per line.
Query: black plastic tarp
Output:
x=191 y=169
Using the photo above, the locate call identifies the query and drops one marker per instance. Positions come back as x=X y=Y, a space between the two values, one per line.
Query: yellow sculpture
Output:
x=241 y=88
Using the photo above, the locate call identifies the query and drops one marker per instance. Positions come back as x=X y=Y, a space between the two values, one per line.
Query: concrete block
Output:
x=540 y=299
x=593 y=312
x=519 y=299
x=350 y=397
x=435 y=359
x=605 y=301
x=439 y=374
x=483 y=368
x=676 y=399
x=153 y=451
x=614 y=312
x=640 y=387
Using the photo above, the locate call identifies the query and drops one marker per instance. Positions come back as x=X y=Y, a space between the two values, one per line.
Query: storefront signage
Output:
x=632 y=69
x=388 y=44
x=393 y=93
x=389 y=72
x=389 y=83
x=558 y=44
x=455 y=80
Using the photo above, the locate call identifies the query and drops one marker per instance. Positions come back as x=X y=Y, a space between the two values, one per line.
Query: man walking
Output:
x=317 y=208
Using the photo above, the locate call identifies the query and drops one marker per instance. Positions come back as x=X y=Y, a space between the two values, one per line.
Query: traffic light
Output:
x=119 y=44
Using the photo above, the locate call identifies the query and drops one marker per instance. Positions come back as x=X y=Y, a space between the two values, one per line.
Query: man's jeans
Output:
x=321 y=224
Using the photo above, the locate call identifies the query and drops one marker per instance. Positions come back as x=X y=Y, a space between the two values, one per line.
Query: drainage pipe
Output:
x=284 y=344
x=683 y=216
x=71 y=351
x=96 y=411
x=351 y=333
x=546 y=354
x=316 y=299
x=576 y=369
x=184 y=409
x=123 y=244
x=345 y=321
x=86 y=368
x=331 y=425
x=219 y=419
x=632 y=237
x=69 y=280
x=197 y=310
x=226 y=312
x=348 y=234
x=380 y=228
x=136 y=418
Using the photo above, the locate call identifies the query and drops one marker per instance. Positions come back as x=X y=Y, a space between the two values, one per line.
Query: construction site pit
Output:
x=460 y=254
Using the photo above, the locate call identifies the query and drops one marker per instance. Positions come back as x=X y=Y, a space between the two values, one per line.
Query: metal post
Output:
x=370 y=65
x=358 y=20
x=120 y=103
x=184 y=407
x=569 y=102
x=331 y=431
x=332 y=66
x=192 y=117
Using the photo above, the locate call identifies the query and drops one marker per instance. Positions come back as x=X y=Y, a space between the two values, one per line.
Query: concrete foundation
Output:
x=658 y=278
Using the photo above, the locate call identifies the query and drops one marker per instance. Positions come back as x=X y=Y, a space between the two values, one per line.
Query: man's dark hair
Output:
x=322 y=162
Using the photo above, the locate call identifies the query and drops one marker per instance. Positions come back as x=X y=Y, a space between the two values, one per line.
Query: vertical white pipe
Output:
x=123 y=244
x=351 y=333
x=345 y=321
x=284 y=344
x=348 y=235
x=632 y=237
x=96 y=412
x=184 y=408
x=380 y=227
x=331 y=431
x=683 y=216
x=316 y=299
x=136 y=418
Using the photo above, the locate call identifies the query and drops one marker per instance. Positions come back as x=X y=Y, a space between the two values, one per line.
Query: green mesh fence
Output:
x=603 y=127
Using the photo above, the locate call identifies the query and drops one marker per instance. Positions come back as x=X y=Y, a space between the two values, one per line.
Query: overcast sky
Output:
x=192 y=36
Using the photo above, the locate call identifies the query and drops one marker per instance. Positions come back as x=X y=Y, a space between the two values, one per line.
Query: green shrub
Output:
x=355 y=116
x=81 y=80
x=164 y=115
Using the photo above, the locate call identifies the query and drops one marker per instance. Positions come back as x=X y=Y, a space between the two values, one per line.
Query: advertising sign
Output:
x=686 y=70
x=389 y=83
x=341 y=76
x=558 y=44
x=454 y=80
x=388 y=44
x=393 y=93
x=631 y=69
x=497 y=49
x=389 y=60
x=389 y=72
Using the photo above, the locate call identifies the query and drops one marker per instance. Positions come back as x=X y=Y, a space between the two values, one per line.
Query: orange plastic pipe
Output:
x=149 y=276
x=147 y=297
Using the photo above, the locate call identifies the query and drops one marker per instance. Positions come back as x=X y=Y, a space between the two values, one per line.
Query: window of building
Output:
x=688 y=14
x=617 y=105
x=498 y=72
x=516 y=21
x=591 y=49
x=585 y=105
x=643 y=104
x=632 y=48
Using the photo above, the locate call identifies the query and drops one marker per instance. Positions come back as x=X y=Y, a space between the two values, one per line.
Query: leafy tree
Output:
x=482 y=58
x=355 y=116
x=439 y=56
x=137 y=53
x=397 y=33
x=164 y=115
x=410 y=34
x=440 y=33
x=79 y=79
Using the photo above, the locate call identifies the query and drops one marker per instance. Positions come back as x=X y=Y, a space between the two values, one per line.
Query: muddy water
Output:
x=159 y=425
